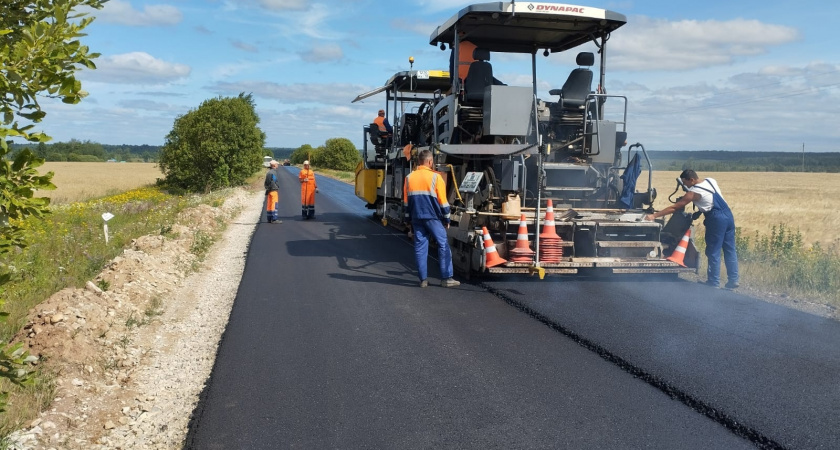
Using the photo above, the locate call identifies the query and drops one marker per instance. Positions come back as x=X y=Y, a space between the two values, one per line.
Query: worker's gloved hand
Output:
x=316 y=190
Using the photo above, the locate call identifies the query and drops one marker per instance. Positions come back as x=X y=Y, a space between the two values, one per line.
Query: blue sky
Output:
x=720 y=75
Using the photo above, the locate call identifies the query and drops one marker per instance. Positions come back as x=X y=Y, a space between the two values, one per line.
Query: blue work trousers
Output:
x=423 y=230
x=720 y=235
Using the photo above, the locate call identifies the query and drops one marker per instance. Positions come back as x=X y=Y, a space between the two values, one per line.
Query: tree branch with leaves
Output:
x=40 y=53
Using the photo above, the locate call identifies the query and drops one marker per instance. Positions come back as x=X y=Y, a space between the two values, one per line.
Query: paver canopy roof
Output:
x=527 y=27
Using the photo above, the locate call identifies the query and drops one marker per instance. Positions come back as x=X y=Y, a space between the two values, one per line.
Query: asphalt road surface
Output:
x=332 y=344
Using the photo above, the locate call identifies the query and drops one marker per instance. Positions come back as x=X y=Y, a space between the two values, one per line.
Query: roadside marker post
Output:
x=106 y=217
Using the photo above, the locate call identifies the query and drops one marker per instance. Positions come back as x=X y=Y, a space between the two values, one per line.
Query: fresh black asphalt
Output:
x=331 y=344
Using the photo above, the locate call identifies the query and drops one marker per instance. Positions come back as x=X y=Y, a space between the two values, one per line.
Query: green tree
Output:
x=339 y=154
x=42 y=150
x=18 y=182
x=39 y=55
x=301 y=154
x=215 y=146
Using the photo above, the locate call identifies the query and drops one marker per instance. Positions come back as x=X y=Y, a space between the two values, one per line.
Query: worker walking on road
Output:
x=720 y=225
x=272 y=192
x=308 y=188
x=424 y=192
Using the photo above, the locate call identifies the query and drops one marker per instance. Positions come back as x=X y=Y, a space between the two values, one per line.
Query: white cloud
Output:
x=122 y=13
x=244 y=46
x=136 y=68
x=147 y=105
x=310 y=93
x=654 y=44
x=313 y=23
x=772 y=109
x=322 y=53
x=413 y=26
x=284 y=5
x=441 y=5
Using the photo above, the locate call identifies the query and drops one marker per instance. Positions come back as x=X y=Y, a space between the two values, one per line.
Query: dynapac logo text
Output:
x=556 y=8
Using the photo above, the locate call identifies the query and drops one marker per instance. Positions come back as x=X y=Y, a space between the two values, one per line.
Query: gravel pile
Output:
x=133 y=359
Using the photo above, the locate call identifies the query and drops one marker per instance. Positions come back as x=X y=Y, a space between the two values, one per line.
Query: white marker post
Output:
x=106 y=217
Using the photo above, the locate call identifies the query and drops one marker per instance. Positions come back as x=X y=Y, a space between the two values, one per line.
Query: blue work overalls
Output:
x=720 y=234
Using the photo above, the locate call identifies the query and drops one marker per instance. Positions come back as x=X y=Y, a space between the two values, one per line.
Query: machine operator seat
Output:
x=378 y=138
x=578 y=85
x=479 y=77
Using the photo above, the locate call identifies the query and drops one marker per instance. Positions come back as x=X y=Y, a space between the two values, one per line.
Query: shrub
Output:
x=215 y=146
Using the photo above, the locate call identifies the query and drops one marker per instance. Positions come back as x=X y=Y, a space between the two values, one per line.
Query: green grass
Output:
x=780 y=262
x=67 y=248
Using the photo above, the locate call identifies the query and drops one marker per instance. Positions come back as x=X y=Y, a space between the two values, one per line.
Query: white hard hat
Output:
x=306 y=163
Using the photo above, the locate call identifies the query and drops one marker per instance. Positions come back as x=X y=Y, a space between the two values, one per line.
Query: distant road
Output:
x=331 y=344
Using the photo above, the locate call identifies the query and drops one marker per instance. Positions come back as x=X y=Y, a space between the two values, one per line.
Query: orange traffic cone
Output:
x=678 y=256
x=548 y=230
x=492 y=256
x=522 y=252
x=551 y=245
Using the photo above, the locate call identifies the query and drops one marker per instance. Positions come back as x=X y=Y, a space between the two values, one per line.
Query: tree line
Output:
x=672 y=160
x=87 y=151
x=76 y=150
x=726 y=161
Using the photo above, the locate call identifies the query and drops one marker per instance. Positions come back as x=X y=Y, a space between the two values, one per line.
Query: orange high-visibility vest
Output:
x=307 y=188
x=380 y=122
x=465 y=58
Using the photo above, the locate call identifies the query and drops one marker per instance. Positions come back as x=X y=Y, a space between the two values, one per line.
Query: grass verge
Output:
x=68 y=248
x=779 y=262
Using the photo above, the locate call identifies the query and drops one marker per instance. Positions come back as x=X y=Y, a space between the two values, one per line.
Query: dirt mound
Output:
x=95 y=338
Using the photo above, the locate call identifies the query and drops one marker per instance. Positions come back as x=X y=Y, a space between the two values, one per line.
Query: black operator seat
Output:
x=375 y=135
x=381 y=140
x=479 y=77
x=578 y=85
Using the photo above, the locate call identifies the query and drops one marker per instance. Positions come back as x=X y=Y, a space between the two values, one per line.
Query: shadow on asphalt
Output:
x=363 y=250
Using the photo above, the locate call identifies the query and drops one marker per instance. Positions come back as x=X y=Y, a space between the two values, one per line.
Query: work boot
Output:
x=450 y=282
x=731 y=285
x=708 y=283
x=424 y=283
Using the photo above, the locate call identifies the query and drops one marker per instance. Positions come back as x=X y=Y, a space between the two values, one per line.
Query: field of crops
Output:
x=808 y=202
x=80 y=181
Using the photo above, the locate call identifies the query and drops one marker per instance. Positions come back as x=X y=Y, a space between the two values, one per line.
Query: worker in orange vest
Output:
x=272 y=192
x=308 y=188
x=465 y=58
x=382 y=122
x=424 y=195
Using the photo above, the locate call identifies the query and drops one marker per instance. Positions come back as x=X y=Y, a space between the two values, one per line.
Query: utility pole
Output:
x=803 y=157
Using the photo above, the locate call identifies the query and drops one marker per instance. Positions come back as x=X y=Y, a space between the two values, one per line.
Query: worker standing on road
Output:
x=272 y=192
x=424 y=192
x=720 y=225
x=308 y=188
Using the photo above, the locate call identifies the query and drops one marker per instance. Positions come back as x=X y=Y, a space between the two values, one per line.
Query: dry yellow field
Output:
x=808 y=202
x=80 y=181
